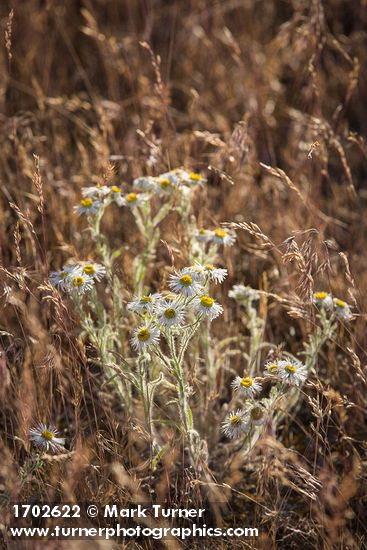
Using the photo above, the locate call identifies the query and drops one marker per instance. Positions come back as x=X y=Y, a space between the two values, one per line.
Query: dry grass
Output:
x=269 y=100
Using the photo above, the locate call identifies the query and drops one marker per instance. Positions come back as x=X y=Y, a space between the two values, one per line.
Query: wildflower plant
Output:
x=236 y=424
x=171 y=324
x=334 y=306
x=166 y=321
x=286 y=374
x=206 y=243
x=46 y=438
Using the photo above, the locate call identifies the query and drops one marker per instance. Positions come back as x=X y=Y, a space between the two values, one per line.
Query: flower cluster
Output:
x=253 y=414
x=77 y=278
x=341 y=309
x=241 y=422
x=287 y=371
x=218 y=236
x=98 y=196
x=188 y=296
x=242 y=293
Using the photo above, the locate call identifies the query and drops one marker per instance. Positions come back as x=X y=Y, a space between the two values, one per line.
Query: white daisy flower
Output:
x=241 y=292
x=96 y=191
x=175 y=176
x=323 y=299
x=115 y=189
x=93 y=270
x=145 y=183
x=292 y=372
x=272 y=368
x=46 y=438
x=78 y=283
x=143 y=337
x=204 y=235
x=212 y=273
x=133 y=199
x=193 y=179
x=224 y=237
x=60 y=278
x=236 y=424
x=342 y=310
x=88 y=205
x=207 y=306
x=115 y=194
x=246 y=386
x=185 y=282
x=165 y=186
x=170 y=313
x=57 y=278
x=169 y=181
x=144 y=303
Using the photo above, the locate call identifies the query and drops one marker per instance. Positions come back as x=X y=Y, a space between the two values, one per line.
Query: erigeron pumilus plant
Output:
x=335 y=307
x=169 y=321
x=166 y=321
x=150 y=200
x=205 y=249
x=287 y=373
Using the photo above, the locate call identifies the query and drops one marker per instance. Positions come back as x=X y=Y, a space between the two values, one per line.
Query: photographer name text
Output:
x=156 y=510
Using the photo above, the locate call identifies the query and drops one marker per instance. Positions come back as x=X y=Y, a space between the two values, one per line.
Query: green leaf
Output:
x=159 y=455
x=190 y=421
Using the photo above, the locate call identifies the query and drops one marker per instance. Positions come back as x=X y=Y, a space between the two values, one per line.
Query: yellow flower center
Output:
x=194 y=176
x=63 y=274
x=273 y=369
x=247 y=382
x=235 y=420
x=207 y=301
x=170 y=313
x=256 y=413
x=186 y=280
x=320 y=295
x=291 y=369
x=89 y=269
x=115 y=189
x=78 y=281
x=220 y=233
x=145 y=300
x=86 y=203
x=202 y=231
x=131 y=197
x=143 y=335
x=339 y=303
x=46 y=434
x=165 y=183
x=209 y=267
